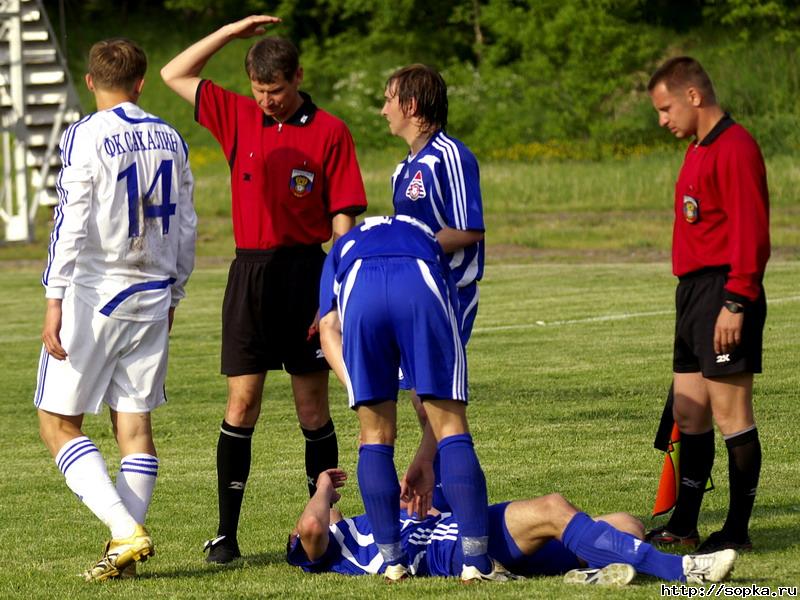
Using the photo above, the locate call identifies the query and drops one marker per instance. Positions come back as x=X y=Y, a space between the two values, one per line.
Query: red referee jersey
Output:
x=722 y=210
x=287 y=180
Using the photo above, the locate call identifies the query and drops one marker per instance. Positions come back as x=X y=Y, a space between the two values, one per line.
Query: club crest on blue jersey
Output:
x=416 y=189
x=691 y=210
x=301 y=182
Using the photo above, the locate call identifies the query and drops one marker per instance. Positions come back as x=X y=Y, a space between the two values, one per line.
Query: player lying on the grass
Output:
x=121 y=251
x=540 y=536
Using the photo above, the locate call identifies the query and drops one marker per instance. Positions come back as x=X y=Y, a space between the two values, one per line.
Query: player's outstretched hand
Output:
x=251 y=26
x=51 y=332
x=416 y=488
x=331 y=480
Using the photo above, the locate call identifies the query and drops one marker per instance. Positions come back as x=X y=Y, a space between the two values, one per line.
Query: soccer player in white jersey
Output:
x=121 y=251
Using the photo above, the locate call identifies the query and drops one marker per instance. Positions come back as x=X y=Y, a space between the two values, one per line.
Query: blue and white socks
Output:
x=135 y=482
x=86 y=475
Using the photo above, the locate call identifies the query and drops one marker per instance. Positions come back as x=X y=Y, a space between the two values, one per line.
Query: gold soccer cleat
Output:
x=118 y=555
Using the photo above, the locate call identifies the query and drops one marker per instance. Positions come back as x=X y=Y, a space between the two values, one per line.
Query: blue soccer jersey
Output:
x=433 y=546
x=397 y=305
x=375 y=236
x=440 y=186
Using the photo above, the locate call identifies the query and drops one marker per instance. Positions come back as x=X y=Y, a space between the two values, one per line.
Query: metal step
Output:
x=44 y=75
x=46 y=87
x=44 y=94
x=30 y=55
x=35 y=159
x=43 y=115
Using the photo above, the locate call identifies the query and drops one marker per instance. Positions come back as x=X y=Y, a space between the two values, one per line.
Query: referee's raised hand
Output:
x=251 y=26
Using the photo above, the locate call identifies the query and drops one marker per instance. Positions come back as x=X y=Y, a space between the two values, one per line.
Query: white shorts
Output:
x=122 y=363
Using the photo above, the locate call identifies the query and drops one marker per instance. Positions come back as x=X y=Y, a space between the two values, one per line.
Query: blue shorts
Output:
x=467 y=310
x=400 y=310
x=552 y=558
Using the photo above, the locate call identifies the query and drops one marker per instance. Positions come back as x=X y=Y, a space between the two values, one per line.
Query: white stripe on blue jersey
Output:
x=430 y=544
x=124 y=230
x=397 y=236
x=440 y=186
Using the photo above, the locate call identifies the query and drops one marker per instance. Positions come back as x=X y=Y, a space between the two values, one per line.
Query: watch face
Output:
x=734 y=307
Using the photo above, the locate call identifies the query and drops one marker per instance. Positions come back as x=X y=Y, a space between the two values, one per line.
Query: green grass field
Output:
x=569 y=365
x=564 y=211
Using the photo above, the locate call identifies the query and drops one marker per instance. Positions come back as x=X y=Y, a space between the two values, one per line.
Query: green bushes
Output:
x=529 y=79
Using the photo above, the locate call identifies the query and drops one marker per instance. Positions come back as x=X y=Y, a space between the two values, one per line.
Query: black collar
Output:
x=302 y=116
x=716 y=131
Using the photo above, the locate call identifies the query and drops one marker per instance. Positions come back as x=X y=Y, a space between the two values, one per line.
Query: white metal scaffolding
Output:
x=37 y=100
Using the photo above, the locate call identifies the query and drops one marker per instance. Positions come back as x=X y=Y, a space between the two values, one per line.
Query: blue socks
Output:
x=600 y=544
x=464 y=488
x=439 y=502
x=380 y=491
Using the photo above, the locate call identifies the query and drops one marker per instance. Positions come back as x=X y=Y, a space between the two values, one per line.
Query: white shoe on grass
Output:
x=616 y=574
x=707 y=568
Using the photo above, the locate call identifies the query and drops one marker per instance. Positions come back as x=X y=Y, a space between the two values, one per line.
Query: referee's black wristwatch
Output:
x=733 y=307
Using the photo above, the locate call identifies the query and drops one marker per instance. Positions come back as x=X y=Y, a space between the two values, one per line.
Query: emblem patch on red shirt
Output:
x=416 y=189
x=301 y=182
x=691 y=210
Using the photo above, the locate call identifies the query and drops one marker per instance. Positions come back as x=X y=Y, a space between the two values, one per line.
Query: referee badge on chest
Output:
x=691 y=210
x=301 y=182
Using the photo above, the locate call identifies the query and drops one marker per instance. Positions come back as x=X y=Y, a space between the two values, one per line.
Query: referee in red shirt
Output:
x=295 y=182
x=720 y=250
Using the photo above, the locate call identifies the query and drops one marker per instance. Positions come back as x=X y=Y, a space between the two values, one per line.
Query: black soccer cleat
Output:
x=664 y=538
x=719 y=540
x=222 y=550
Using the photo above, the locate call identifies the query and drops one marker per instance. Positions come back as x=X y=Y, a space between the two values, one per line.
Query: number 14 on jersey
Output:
x=159 y=206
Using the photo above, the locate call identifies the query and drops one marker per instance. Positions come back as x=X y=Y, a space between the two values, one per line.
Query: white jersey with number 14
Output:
x=124 y=229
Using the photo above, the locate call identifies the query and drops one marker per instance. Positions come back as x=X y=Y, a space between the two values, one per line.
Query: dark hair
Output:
x=117 y=64
x=681 y=72
x=427 y=87
x=270 y=57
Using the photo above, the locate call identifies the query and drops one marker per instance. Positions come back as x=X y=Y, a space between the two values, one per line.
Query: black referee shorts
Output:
x=698 y=300
x=271 y=298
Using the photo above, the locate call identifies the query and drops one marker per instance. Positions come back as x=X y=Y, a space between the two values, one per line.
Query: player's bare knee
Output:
x=56 y=430
x=242 y=411
x=312 y=412
x=625 y=522
x=556 y=505
x=312 y=419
